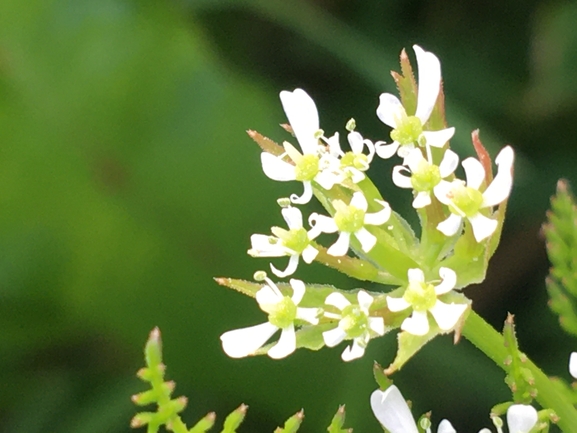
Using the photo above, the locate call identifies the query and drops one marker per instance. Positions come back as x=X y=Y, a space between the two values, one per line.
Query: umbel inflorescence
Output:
x=421 y=278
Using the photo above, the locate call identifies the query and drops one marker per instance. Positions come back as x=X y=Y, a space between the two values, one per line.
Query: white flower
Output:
x=354 y=322
x=423 y=297
x=408 y=130
x=282 y=313
x=573 y=365
x=424 y=175
x=353 y=164
x=392 y=411
x=293 y=242
x=308 y=166
x=350 y=220
x=466 y=201
x=521 y=418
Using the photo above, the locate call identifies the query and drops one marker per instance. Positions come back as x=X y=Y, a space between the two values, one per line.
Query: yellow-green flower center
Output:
x=281 y=314
x=359 y=161
x=421 y=296
x=294 y=239
x=426 y=177
x=408 y=130
x=466 y=201
x=348 y=219
x=354 y=321
x=307 y=168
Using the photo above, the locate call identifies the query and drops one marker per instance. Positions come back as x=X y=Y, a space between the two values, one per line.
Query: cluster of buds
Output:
x=461 y=222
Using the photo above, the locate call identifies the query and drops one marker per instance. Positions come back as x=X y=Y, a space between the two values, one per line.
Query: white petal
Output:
x=380 y=217
x=451 y=225
x=449 y=280
x=446 y=427
x=356 y=142
x=443 y=191
x=400 y=179
x=307 y=194
x=327 y=179
x=417 y=324
x=390 y=110
x=449 y=163
x=299 y=290
x=377 y=325
x=309 y=254
x=243 y=342
x=500 y=187
x=447 y=315
x=366 y=238
x=438 y=138
x=335 y=145
x=414 y=159
x=277 y=169
x=404 y=152
x=303 y=116
x=356 y=174
x=429 y=82
x=521 y=418
x=422 y=199
x=334 y=337
x=483 y=227
x=341 y=246
x=392 y=411
x=262 y=247
x=485 y=430
x=293 y=217
x=286 y=345
x=359 y=201
x=268 y=296
x=371 y=148
x=573 y=365
x=474 y=172
x=416 y=274
x=322 y=224
x=397 y=304
x=353 y=352
x=384 y=150
x=338 y=300
x=308 y=315
x=365 y=300
x=289 y=270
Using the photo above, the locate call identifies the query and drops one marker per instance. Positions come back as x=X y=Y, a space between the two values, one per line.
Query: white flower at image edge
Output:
x=293 y=242
x=573 y=365
x=408 y=130
x=392 y=411
x=350 y=220
x=466 y=201
x=424 y=175
x=422 y=298
x=354 y=322
x=303 y=117
x=282 y=311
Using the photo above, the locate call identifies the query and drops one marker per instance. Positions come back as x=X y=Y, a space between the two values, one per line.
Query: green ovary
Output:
x=421 y=296
x=356 y=160
x=354 y=322
x=307 y=168
x=282 y=314
x=426 y=178
x=296 y=240
x=408 y=131
x=465 y=200
x=349 y=219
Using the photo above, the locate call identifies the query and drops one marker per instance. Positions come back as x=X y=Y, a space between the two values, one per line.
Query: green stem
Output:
x=492 y=344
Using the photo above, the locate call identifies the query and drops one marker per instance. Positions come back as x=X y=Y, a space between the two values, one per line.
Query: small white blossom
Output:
x=422 y=297
x=392 y=411
x=353 y=164
x=466 y=201
x=521 y=418
x=310 y=165
x=424 y=175
x=354 y=322
x=573 y=365
x=293 y=242
x=282 y=313
x=351 y=220
x=408 y=130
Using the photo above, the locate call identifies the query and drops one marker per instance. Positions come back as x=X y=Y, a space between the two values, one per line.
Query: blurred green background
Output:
x=127 y=182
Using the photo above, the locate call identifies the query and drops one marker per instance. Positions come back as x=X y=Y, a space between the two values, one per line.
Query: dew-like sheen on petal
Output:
x=286 y=345
x=245 y=341
x=392 y=411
